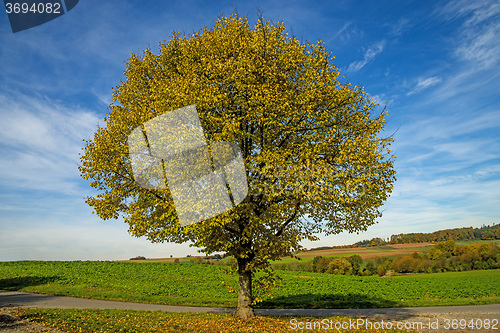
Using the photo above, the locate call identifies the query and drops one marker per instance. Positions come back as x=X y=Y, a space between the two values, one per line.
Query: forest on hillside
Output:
x=458 y=234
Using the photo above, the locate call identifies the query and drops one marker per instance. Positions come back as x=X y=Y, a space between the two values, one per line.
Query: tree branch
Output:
x=290 y=219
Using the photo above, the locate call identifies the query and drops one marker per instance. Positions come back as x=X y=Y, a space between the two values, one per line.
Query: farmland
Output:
x=365 y=252
x=201 y=285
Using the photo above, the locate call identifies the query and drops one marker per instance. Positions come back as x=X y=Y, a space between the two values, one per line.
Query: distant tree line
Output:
x=458 y=234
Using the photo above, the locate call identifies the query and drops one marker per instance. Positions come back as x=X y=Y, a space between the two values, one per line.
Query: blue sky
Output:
x=435 y=64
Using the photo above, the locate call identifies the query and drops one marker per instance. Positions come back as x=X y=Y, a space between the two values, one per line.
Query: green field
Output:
x=201 y=285
x=468 y=242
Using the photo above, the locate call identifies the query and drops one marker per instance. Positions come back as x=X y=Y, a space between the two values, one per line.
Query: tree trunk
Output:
x=245 y=299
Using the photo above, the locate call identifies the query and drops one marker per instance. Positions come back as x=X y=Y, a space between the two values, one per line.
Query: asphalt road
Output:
x=425 y=319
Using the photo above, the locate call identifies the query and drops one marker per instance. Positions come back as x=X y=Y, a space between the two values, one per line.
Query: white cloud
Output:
x=370 y=54
x=449 y=126
x=480 y=31
x=346 y=32
x=424 y=83
x=40 y=143
x=475 y=11
x=43 y=213
x=481 y=46
x=473 y=52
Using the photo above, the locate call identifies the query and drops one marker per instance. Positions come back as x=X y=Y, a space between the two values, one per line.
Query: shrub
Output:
x=232 y=262
x=443 y=250
x=356 y=262
x=428 y=266
x=197 y=260
x=407 y=264
x=370 y=268
x=339 y=266
x=320 y=264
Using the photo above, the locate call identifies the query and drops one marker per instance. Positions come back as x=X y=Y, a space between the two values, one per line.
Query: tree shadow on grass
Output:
x=332 y=305
x=21 y=282
x=328 y=301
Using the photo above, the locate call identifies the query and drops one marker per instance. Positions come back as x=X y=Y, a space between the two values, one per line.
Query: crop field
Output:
x=201 y=285
x=365 y=252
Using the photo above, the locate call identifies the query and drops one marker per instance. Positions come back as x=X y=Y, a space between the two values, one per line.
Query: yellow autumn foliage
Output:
x=312 y=145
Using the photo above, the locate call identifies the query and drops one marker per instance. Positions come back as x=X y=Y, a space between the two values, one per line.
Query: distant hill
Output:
x=458 y=234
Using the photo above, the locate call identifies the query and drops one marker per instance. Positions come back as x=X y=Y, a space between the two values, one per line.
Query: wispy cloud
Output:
x=475 y=11
x=399 y=27
x=480 y=31
x=346 y=32
x=41 y=192
x=470 y=135
x=424 y=83
x=481 y=46
x=472 y=50
x=369 y=55
x=40 y=142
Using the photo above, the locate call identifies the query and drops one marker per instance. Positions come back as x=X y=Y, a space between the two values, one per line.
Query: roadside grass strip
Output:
x=107 y=321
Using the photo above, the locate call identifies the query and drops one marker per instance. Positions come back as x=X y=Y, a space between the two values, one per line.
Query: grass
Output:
x=316 y=290
x=202 y=285
x=160 y=283
x=86 y=321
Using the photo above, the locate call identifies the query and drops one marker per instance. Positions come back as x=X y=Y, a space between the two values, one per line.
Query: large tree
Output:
x=315 y=157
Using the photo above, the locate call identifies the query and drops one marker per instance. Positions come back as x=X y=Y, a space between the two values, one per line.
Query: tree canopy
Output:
x=315 y=159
